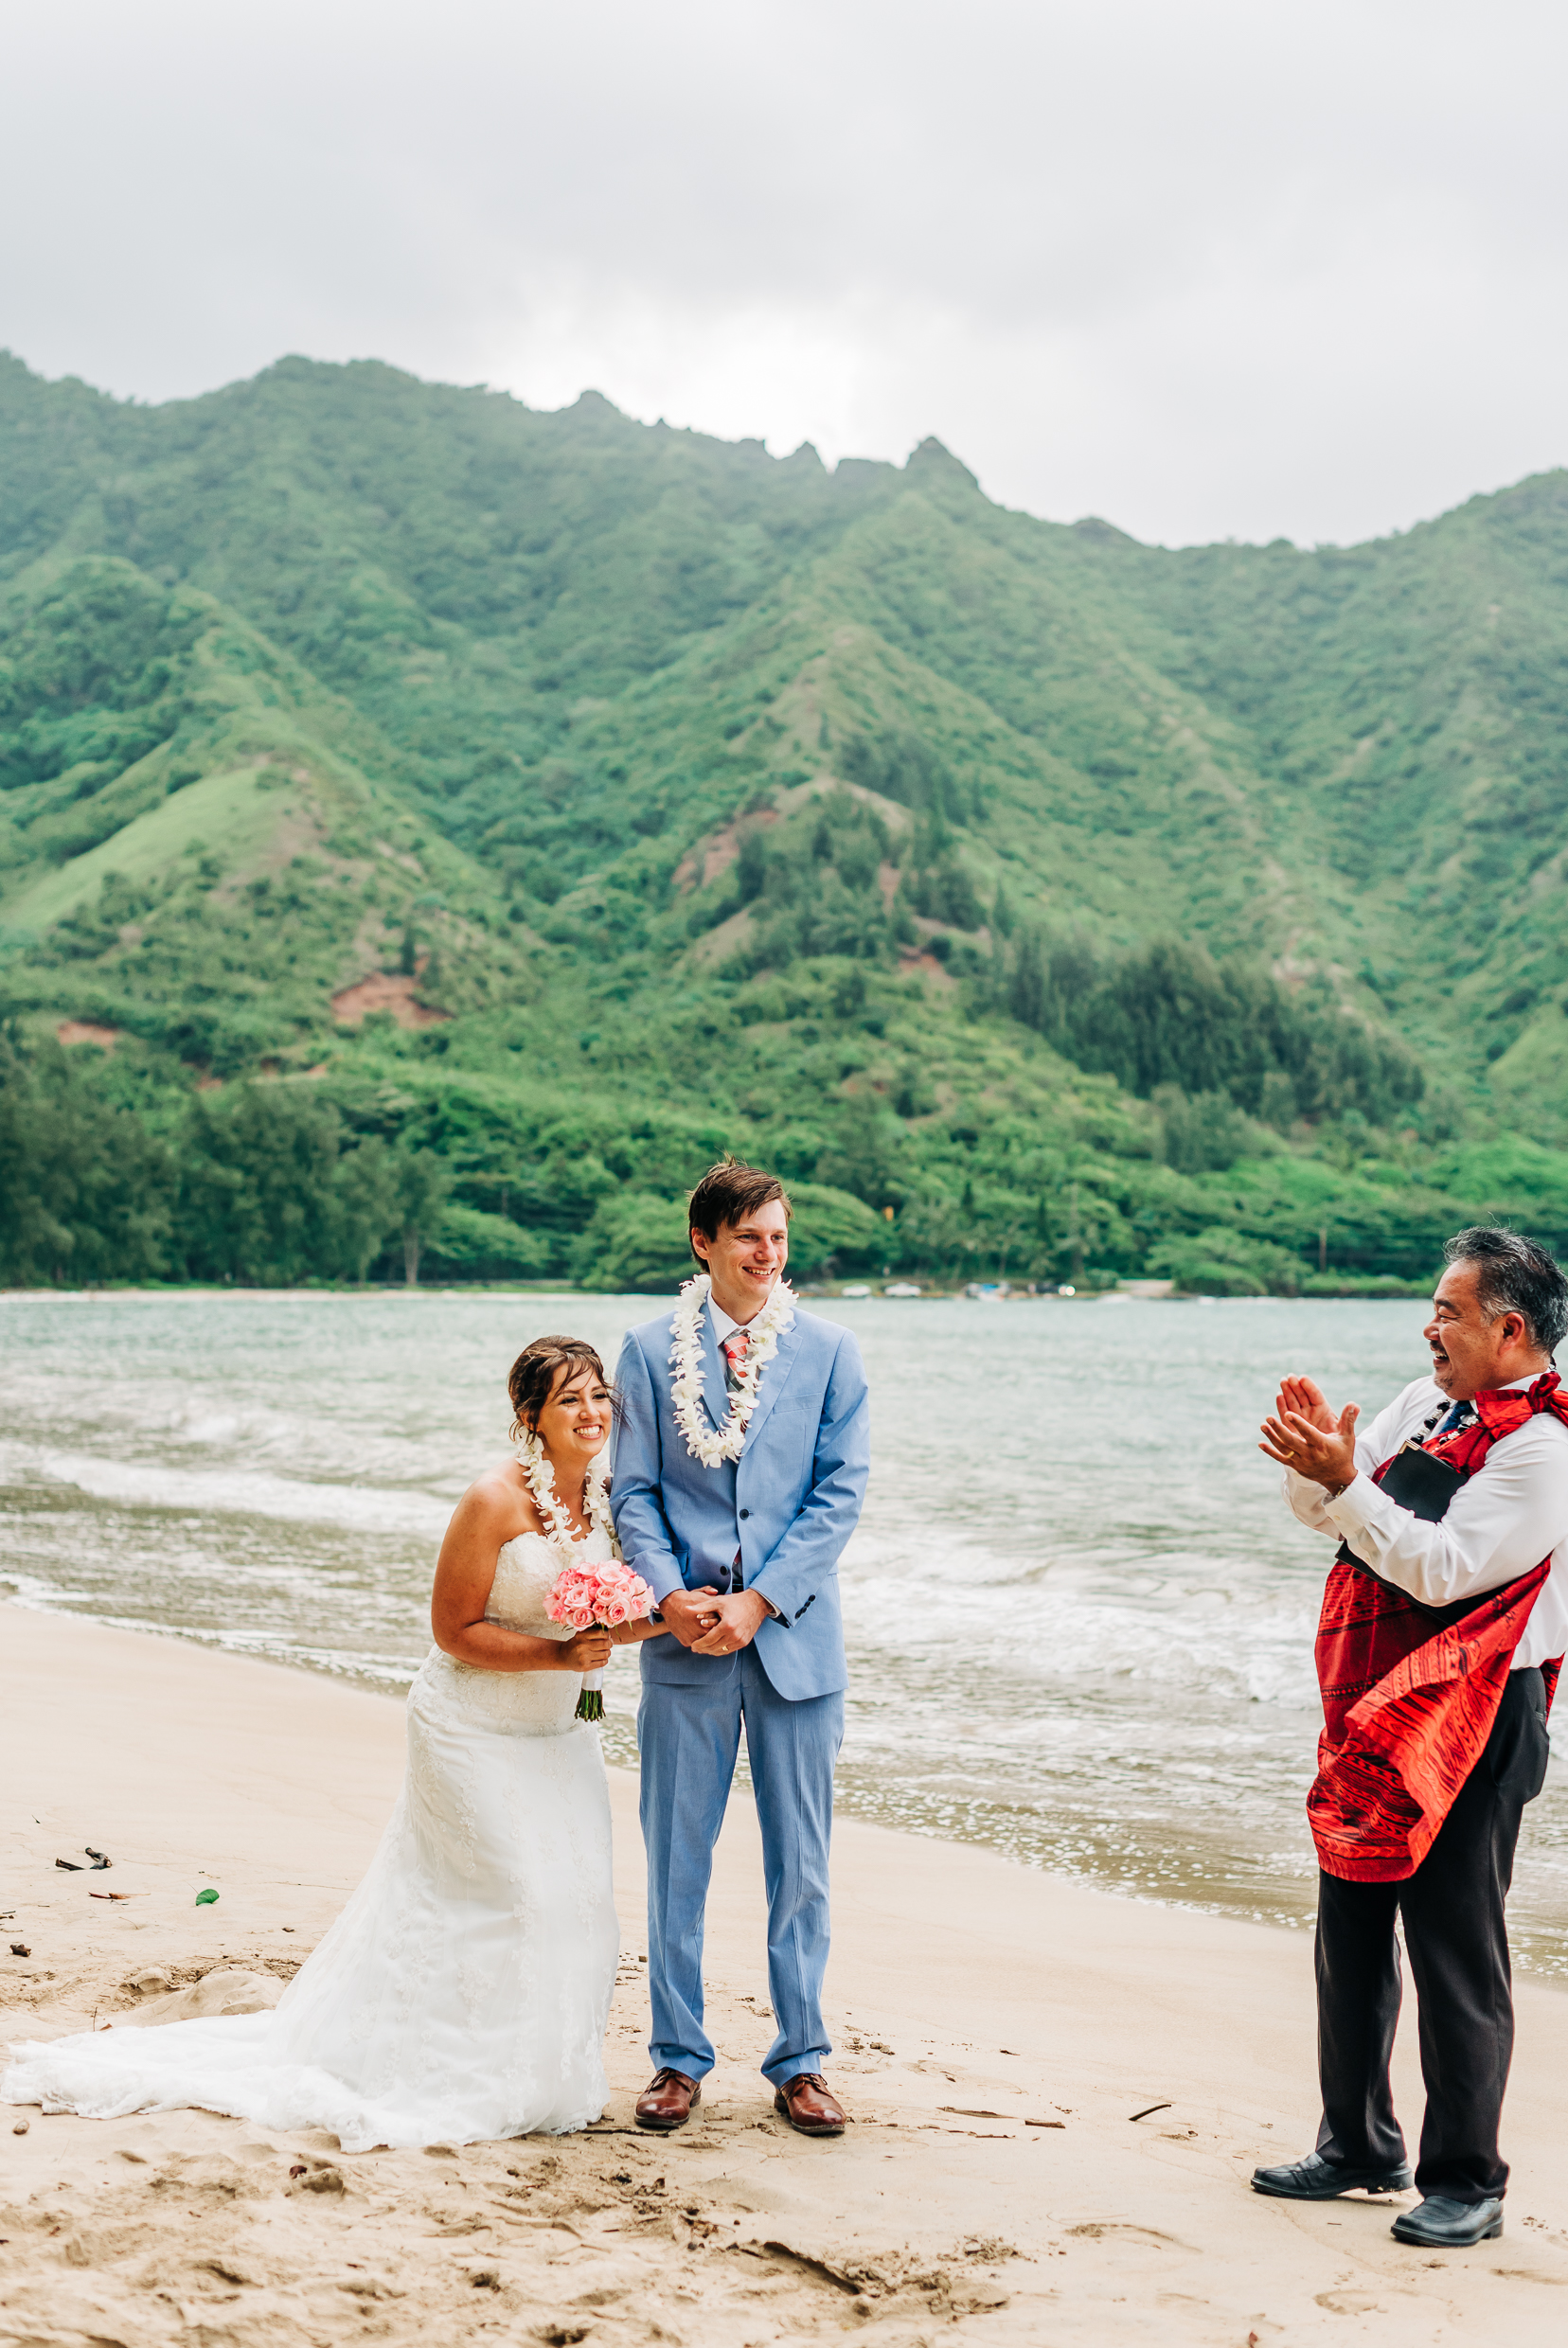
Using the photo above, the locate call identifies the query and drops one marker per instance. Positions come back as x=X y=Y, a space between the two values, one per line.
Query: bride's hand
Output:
x=585 y=1650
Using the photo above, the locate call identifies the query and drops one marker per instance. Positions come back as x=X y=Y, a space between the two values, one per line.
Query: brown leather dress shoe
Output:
x=667 y=2101
x=806 y=2105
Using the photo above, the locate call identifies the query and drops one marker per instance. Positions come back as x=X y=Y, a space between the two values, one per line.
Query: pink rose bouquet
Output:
x=586 y=1594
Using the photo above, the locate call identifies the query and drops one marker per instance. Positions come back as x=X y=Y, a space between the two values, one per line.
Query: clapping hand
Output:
x=1303 y=1433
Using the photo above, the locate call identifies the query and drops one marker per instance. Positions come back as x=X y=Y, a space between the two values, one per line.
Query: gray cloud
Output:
x=1209 y=269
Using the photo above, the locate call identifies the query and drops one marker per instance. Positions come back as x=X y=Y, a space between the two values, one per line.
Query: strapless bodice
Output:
x=516 y=1703
x=525 y=1573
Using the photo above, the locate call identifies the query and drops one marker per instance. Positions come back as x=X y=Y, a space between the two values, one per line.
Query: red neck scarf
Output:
x=1408 y=1705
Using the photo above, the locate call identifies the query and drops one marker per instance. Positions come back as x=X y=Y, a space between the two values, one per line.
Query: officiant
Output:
x=1443 y=1628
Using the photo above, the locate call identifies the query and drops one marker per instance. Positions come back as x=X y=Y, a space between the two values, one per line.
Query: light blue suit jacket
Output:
x=788 y=1504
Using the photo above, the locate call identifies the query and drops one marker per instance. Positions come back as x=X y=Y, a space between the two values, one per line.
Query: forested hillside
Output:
x=434 y=828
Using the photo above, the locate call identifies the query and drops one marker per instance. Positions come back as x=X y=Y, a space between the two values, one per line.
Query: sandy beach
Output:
x=997 y=2030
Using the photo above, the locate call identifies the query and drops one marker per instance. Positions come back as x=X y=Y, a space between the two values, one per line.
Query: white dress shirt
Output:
x=724 y=1327
x=1502 y=1522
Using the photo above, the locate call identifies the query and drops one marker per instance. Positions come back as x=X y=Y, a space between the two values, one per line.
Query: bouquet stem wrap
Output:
x=590 y=1705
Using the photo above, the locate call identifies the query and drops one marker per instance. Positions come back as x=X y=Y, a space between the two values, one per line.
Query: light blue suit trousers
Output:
x=691 y=1739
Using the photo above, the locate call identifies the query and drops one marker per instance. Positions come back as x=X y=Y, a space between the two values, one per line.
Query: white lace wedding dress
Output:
x=463 y=1993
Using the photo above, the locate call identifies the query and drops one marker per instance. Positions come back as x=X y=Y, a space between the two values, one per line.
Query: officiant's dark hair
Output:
x=730 y=1191
x=531 y=1379
x=1515 y=1275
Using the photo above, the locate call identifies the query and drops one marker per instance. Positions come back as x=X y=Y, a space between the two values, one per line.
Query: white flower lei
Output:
x=685 y=1360
x=539 y=1475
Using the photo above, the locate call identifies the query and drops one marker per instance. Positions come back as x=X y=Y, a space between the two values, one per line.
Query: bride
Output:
x=463 y=1992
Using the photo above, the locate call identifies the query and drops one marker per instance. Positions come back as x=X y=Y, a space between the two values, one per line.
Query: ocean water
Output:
x=1079 y=1615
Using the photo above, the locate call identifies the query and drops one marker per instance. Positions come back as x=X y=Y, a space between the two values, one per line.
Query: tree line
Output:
x=263 y=1186
x=1166 y=1014
x=110 y=1172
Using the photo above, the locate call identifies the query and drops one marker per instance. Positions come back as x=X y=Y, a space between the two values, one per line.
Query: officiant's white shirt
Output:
x=1500 y=1524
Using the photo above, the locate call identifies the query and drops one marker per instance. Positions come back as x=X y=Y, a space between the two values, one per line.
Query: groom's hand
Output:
x=739 y=1619
x=688 y=1613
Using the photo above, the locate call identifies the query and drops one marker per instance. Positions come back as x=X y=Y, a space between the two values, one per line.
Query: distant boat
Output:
x=902 y=1287
x=858 y=1288
x=988 y=1292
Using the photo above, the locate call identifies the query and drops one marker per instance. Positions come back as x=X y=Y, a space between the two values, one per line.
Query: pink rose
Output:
x=611 y=1594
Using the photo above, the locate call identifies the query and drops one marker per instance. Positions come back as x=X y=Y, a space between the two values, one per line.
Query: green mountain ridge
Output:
x=551 y=801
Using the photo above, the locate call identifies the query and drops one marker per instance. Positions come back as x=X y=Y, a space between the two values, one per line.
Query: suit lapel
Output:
x=776 y=1377
x=716 y=1400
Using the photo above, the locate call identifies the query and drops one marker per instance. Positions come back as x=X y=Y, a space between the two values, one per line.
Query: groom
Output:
x=740 y=1467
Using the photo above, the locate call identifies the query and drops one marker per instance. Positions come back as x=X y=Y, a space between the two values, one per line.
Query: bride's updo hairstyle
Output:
x=531 y=1379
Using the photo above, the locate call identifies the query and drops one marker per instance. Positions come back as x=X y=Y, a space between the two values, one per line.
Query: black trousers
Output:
x=1456 y=1930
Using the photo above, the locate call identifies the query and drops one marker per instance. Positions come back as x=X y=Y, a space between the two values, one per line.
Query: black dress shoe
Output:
x=1317 y=2179
x=1439 y=2224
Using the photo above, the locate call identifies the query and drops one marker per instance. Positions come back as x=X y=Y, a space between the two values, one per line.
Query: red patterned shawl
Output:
x=1407 y=1705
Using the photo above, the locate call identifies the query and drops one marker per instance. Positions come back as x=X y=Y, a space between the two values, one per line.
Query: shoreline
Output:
x=969 y=1997
x=619 y=1726
x=875 y=1293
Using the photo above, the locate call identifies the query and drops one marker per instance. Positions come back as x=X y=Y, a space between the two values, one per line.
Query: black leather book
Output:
x=1421 y=1483
x=1424 y=1486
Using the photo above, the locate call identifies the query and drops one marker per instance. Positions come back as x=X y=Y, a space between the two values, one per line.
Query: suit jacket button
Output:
x=745 y=1512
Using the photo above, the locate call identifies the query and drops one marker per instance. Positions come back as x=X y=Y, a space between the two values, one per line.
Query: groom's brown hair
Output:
x=730 y=1191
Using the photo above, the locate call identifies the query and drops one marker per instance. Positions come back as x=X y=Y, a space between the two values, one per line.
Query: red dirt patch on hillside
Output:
x=83 y=1031
x=928 y=965
x=384 y=990
x=702 y=864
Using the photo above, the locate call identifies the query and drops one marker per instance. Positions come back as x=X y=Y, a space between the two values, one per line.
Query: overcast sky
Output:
x=1292 y=267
